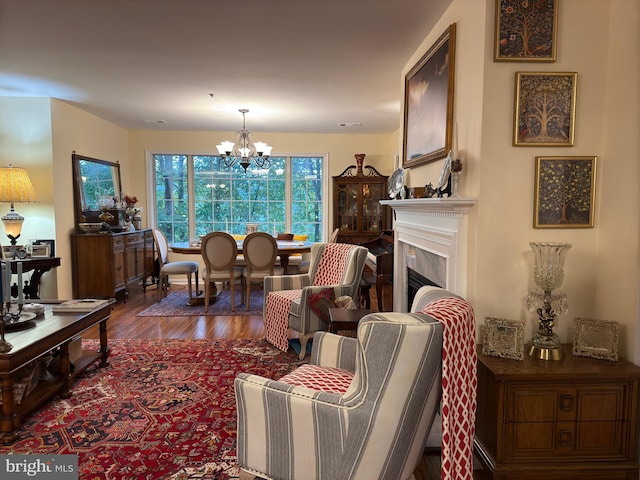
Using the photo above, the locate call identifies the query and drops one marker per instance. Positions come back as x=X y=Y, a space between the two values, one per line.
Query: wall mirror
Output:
x=93 y=181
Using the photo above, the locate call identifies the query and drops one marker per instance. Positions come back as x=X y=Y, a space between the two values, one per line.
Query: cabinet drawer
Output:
x=565 y=441
x=592 y=403
x=118 y=241
x=134 y=238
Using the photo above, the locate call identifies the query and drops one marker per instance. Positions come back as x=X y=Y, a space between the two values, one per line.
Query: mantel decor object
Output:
x=548 y=274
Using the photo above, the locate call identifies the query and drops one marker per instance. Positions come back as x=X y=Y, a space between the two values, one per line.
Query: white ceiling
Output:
x=297 y=65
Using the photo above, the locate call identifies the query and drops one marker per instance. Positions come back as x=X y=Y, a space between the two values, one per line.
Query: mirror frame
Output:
x=83 y=214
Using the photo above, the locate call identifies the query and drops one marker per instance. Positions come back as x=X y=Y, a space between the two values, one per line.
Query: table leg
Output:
x=7 y=435
x=65 y=370
x=104 y=348
x=284 y=262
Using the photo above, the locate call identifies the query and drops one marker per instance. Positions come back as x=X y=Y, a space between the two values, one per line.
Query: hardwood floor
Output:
x=125 y=325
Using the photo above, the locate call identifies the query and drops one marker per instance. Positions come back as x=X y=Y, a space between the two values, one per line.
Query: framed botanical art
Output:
x=428 y=103
x=545 y=109
x=526 y=31
x=564 y=195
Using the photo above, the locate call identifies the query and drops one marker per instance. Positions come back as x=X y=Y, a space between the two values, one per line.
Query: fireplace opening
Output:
x=415 y=280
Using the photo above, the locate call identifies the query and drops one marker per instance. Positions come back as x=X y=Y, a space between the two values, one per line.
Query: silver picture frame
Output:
x=503 y=338
x=595 y=339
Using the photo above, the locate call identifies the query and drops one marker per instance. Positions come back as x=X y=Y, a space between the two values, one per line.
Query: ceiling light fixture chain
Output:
x=244 y=151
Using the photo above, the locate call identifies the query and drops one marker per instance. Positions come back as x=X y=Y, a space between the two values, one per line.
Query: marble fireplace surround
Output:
x=431 y=237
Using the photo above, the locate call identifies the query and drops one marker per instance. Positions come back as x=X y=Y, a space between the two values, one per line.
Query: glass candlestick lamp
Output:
x=548 y=274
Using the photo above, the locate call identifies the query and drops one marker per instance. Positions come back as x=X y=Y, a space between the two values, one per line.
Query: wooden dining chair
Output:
x=219 y=252
x=260 y=252
x=171 y=268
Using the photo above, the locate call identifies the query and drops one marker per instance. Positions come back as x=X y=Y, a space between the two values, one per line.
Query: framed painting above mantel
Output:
x=428 y=103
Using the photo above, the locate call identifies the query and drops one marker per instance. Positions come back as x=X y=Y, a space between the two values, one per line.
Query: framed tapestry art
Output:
x=564 y=195
x=526 y=31
x=428 y=103
x=545 y=109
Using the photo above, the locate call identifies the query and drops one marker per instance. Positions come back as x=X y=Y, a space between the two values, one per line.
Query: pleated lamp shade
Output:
x=15 y=187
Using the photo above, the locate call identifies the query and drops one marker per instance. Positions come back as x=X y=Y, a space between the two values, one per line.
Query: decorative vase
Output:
x=455 y=179
x=359 y=163
x=137 y=223
x=548 y=274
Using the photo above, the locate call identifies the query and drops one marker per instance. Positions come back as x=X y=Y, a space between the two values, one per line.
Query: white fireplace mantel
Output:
x=438 y=226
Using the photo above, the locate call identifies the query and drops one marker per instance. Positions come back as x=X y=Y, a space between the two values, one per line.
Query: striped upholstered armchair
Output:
x=335 y=270
x=363 y=407
x=360 y=410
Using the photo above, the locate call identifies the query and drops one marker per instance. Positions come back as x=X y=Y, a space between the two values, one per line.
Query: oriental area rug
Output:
x=175 y=305
x=163 y=409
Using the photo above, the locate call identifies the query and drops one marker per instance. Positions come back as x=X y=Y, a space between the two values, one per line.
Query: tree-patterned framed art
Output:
x=545 y=109
x=525 y=31
x=564 y=192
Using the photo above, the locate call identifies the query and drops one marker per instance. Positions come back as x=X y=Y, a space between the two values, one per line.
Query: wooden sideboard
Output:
x=572 y=419
x=106 y=265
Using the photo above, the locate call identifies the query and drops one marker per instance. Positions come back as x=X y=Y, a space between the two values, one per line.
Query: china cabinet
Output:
x=357 y=212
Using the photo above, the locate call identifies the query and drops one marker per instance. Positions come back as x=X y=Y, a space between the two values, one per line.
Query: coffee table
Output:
x=52 y=332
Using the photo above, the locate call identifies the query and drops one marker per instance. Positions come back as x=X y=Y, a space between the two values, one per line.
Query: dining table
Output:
x=286 y=248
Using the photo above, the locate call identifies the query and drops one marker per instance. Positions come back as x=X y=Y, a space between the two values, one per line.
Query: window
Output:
x=194 y=195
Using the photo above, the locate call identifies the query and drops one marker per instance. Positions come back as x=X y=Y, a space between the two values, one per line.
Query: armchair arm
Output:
x=330 y=350
x=278 y=427
x=285 y=282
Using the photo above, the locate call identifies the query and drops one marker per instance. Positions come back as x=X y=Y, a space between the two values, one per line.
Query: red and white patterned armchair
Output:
x=335 y=268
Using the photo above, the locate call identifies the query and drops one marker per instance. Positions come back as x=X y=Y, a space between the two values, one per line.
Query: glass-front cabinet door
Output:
x=356 y=203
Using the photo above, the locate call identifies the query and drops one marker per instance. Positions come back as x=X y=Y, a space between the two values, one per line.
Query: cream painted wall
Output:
x=598 y=39
x=25 y=141
x=86 y=134
x=618 y=272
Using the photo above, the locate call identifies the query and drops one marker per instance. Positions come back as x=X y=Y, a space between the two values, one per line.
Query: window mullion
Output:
x=191 y=209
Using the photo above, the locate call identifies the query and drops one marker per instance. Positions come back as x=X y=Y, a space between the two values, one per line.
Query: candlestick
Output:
x=20 y=292
x=7 y=290
x=455 y=141
x=226 y=226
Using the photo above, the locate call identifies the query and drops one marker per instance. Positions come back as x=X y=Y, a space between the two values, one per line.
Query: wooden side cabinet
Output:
x=573 y=419
x=107 y=265
x=357 y=212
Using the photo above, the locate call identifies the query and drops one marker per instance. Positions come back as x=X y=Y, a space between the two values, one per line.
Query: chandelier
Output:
x=244 y=151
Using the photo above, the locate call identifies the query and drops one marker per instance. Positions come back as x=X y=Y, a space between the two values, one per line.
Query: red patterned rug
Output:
x=163 y=409
x=175 y=305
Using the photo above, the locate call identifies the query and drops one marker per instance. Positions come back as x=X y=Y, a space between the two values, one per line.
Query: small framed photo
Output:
x=50 y=243
x=526 y=31
x=503 y=338
x=40 y=251
x=565 y=191
x=545 y=109
x=8 y=251
x=596 y=339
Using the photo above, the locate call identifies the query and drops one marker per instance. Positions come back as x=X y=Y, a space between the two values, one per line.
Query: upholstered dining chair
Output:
x=336 y=269
x=219 y=252
x=363 y=407
x=168 y=268
x=260 y=252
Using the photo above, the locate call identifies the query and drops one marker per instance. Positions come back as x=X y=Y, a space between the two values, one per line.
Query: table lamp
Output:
x=15 y=187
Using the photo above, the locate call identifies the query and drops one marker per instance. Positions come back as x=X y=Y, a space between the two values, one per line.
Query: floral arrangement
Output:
x=131 y=201
x=132 y=211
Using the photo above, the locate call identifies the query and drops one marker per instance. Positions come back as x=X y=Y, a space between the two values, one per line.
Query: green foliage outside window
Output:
x=227 y=199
